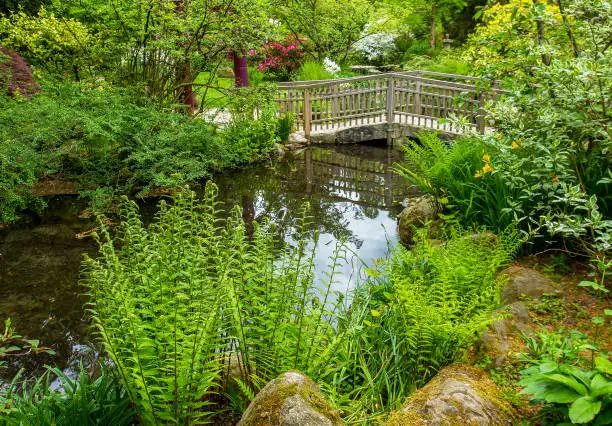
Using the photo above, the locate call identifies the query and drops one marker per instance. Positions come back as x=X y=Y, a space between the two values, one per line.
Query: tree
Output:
x=333 y=26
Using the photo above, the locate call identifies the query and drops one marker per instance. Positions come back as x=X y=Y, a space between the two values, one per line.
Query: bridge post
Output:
x=417 y=96
x=307 y=114
x=390 y=109
x=480 y=115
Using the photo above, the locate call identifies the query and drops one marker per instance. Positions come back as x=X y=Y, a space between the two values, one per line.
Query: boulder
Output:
x=458 y=395
x=418 y=210
x=292 y=399
x=297 y=138
x=525 y=282
x=502 y=337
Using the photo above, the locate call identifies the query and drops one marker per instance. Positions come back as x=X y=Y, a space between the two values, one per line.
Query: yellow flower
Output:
x=515 y=145
x=556 y=179
x=487 y=168
x=499 y=136
x=478 y=174
x=486 y=158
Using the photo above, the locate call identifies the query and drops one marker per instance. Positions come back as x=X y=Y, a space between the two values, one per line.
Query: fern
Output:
x=174 y=301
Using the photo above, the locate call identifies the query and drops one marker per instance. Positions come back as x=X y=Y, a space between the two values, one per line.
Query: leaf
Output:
x=608 y=312
x=603 y=365
x=375 y=313
x=584 y=409
x=372 y=272
x=548 y=367
x=600 y=386
x=598 y=320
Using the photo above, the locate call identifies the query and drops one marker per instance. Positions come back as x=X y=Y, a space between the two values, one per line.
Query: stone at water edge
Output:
x=418 y=210
x=292 y=399
x=297 y=138
x=458 y=395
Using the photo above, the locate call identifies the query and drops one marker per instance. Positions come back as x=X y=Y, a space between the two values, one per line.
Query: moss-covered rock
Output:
x=292 y=399
x=418 y=211
x=458 y=395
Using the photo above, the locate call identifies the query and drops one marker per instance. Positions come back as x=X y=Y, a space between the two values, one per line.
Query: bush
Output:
x=100 y=135
x=313 y=71
x=15 y=75
x=459 y=174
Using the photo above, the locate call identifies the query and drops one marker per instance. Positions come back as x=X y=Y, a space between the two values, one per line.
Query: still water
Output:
x=353 y=195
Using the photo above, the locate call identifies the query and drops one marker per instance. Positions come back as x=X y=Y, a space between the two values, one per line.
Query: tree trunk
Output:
x=432 y=37
x=187 y=95
x=540 y=32
x=241 y=72
x=570 y=34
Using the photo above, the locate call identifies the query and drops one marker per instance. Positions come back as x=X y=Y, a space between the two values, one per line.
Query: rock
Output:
x=458 y=395
x=527 y=282
x=417 y=212
x=292 y=399
x=297 y=138
x=54 y=234
x=502 y=337
x=279 y=149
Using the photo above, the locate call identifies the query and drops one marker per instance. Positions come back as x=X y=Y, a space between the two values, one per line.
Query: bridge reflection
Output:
x=369 y=181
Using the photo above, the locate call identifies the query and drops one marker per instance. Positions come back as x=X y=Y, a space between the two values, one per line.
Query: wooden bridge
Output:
x=387 y=106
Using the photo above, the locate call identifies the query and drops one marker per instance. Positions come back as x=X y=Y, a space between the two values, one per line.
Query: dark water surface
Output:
x=352 y=191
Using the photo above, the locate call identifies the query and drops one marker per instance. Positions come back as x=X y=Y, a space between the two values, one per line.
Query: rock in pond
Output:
x=292 y=399
x=418 y=210
x=458 y=395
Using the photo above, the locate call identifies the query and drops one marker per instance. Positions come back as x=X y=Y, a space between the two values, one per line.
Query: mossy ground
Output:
x=572 y=309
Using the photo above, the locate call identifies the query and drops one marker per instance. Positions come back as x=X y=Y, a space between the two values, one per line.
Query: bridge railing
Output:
x=415 y=98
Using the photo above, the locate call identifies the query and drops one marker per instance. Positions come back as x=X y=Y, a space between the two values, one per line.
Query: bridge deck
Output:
x=410 y=99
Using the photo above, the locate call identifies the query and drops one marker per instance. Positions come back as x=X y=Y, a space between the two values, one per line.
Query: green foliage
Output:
x=101 y=135
x=20 y=164
x=57 y=45
x=333 y=26
x=77 y=402
x=583 y=396
x=157 y=311
x=176 y=300
x=460 y=176
x=284 y=127
x=417 y=313
x=14 y=345
x=313 y=71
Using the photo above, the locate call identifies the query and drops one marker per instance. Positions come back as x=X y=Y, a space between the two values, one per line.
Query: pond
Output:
x=353 y=193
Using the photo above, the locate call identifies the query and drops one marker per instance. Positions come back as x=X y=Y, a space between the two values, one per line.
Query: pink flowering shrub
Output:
x=15 y=75
x=283 y=59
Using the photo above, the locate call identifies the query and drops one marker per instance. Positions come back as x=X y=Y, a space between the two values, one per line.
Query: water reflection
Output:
x=352 y=192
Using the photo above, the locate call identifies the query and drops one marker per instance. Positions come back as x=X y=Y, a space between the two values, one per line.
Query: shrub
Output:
x=15 y=75
x=60 y=46
x=313 y=71
x=283 y=59
x=459 y=174
x=102 y=136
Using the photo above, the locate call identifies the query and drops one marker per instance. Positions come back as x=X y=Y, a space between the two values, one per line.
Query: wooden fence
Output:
x=414 y=98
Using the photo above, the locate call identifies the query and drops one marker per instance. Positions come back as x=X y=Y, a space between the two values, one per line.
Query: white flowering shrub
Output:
x=331 y=67
x=375 y=45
